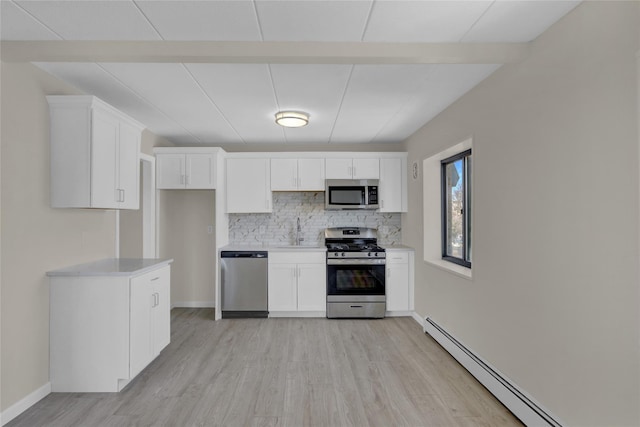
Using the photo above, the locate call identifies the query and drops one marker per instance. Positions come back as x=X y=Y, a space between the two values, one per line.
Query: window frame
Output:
x=465 y=261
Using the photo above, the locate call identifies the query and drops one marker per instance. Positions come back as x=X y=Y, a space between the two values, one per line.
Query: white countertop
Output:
x=112 y=267
x=398 y=248
x=275 y=248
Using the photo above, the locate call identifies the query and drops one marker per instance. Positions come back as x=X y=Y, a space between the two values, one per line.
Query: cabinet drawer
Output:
x=397 y=257
x=297 y=257
x=159 y=275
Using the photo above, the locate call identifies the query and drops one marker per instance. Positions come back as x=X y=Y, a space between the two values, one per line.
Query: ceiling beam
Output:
x=262 y=52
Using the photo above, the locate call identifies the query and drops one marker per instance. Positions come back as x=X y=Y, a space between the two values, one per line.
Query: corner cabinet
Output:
x=297 y=283
x=107 y=325
x=248 y=183
x=94 y=154
x=393 y=184
x=186 y=168
x=399 y=281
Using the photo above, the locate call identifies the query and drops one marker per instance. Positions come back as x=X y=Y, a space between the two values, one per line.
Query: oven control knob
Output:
x=376 y=253
x=369 y=254
x=343 y=254
x=336 y=254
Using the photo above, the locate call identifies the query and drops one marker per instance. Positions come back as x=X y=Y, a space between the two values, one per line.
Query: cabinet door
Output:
x=284 y=174
x=338 y=169
x=140 y=336
x=366 y=169
x=170 y=171
x=200 y=171
x=397 y=283
x=311 y=175
x=282 y=287
x=104 y=160
x=161 y=310
x=129 y=167
x=248 y=186
x=312 y=287
x=390 y=189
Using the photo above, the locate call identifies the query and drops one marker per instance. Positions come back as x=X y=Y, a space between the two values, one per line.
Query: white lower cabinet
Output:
x=297 y=282
x=105 y=329
x=399 y=283
x=149 y=318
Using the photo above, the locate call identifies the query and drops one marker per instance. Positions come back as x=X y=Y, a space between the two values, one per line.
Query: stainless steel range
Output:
x=355 y=273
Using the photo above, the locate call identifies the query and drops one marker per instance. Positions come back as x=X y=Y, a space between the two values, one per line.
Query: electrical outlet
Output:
x=210 y=229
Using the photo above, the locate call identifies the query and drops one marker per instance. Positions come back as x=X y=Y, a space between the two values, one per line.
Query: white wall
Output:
x=553 y=303
x=35 y=237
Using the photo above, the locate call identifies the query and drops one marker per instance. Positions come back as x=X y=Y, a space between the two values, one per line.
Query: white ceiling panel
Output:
x=313 y=20
x=517 y=21
x=17 y=24
x=422 y=21
x=374 y=95
x=244 y=94
x=445 y=84
x=235 y=103
x=314 y=89
x=90 y=78
x=203 y=20
x=92 y=20
x=174 y=92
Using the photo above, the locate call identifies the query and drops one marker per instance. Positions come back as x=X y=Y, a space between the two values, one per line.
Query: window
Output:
x=456 y=208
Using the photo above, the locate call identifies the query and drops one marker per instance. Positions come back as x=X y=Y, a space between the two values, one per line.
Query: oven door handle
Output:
x=352 y=261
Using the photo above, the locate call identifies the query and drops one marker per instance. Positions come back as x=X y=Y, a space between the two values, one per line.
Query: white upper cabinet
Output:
x=176 y=170
x=248 y=185
x=297 y=174
x=365 y=168
x=392 y=188
x=95 y=161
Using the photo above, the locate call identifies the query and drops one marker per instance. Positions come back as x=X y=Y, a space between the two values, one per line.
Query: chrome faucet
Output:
x=298 y=231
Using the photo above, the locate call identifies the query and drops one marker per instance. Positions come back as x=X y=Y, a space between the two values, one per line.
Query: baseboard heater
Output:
x=523 y=407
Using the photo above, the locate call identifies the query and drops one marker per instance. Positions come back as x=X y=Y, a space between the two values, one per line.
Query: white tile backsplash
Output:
x=279 y=227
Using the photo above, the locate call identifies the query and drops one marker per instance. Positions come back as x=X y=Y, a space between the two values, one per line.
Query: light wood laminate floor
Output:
x=287 y=372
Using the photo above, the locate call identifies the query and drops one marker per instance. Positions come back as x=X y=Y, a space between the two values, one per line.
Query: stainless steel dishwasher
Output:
x=244 y=284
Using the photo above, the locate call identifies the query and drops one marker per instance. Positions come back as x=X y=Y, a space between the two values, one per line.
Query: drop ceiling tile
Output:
x=315 y=89
x=313 y=20
x=374 y=95
x=92 y=79
x=445 y=84
x=92 y=20
x=203 y=20
x=244 y=95
x=422 y=21
x=517 y=21
x=172 y=90
x=17 y=24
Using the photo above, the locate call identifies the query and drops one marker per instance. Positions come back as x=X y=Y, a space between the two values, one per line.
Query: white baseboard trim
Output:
x=297 y=314
x=193 y=304
x=418 y=319
x=516 y=400
x=22 y=405
x=398 y=314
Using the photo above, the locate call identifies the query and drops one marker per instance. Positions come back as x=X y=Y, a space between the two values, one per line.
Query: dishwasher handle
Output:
x=244 y=254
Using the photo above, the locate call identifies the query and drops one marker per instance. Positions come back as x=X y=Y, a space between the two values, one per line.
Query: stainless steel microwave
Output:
x=344 y=194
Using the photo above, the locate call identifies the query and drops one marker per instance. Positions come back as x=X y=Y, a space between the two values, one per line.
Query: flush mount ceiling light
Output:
x=292 y=119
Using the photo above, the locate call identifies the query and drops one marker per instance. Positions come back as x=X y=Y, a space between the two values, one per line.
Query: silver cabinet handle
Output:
x=122 y=196
x=188 y=179
x=354 y=172
x=155 y=278
x=182 y=179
